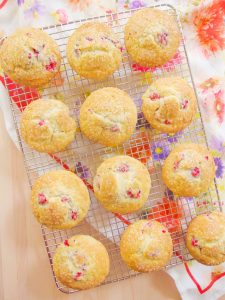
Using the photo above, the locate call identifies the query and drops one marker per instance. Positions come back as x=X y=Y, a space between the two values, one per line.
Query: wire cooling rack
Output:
x=83 y=156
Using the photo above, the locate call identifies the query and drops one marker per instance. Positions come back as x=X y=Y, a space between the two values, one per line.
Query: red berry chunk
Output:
x=29 y=55
x=154 y=254
x=114 y=128
x=154 y=96
x=163 y=231
x=123 y=168
x=206 y=157
x=51 y=66
x=74 y=215
x=89 y=39
x=77 y=275
x=77 y=52
x=41 y=122
x=195 y=172
x=133 y=195
x=65 y=199
x=36 y=52
x=66 y=243
x=184 y=104
x=194 y=242
x=42 y=199
x=163 y=38
x=176 y=165
x=167 y=122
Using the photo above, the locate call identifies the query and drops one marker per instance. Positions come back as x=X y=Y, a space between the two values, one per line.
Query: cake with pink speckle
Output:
x=81 y=262
x=189 y=170
x=47 y=126
x=94 y=51
x=146 y=246
x=169 y=104
x=205 y=238
x=152 y=37
x=30 y=57
x=60 y=199
x=122 y=184
x=108 y=116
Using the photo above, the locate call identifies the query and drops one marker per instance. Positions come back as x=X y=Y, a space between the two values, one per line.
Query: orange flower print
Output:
x=216 y=271
x=219 y=105
x=209 y=23
x=140 y=148
x=168 y=212
x=209 y=84
x=80 y=4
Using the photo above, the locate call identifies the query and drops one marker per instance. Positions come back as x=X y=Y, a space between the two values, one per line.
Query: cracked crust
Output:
x=146 y=246
x=93 y=51
x=60 y=199
x=205 y=238
x=169 y=104
x=30 y=57
x=46 y=126
x=81 y=262
x=122 y=184
x=189 y=170
x=152 y=37
x=108 y=116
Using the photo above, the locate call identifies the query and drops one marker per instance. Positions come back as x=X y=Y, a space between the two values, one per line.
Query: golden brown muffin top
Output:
x=59 y=199
x=169 y=104
x=146 y=246
x=188 y=170
x=205 y=238
x=30 y=57
x=46 y=125
x=81 y=262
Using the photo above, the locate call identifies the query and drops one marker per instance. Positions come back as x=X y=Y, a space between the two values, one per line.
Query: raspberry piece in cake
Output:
x=133 y=195
x=123 y=168
x=195 y=172
x=42 y=199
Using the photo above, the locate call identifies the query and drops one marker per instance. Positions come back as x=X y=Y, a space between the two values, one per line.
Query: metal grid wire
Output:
x=103 y=225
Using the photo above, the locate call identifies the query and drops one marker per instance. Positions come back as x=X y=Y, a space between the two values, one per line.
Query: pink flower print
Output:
x=61 y=16
x=219 y=105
